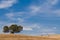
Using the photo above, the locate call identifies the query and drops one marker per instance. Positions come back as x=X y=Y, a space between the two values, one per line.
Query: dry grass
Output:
x=23 y=37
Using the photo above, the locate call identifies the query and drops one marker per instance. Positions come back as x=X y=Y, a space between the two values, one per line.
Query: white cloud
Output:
x=14 y=14
x=34 y=25
x=53 y=2
x=48 y=33
x=7 y=3
x=9 y=15
x=41 y=29
x=27 y=28
x=46 y=8
x=34 y=9
x=45 y=31
x=15 y=17
x=54 y=27
x=20 y=20
x=57 y=12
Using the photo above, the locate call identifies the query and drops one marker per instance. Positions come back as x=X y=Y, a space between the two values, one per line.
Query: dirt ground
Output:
x=24 y=37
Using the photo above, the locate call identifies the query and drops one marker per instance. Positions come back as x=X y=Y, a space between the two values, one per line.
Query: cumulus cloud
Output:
x=7 y=3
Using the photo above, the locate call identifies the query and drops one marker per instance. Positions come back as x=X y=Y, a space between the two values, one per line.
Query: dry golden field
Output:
x=23 y=37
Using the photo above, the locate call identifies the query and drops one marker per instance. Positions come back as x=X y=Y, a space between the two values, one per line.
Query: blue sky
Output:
x=38 y=17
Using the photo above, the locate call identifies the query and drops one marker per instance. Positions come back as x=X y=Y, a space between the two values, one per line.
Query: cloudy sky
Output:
x=38 y=17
